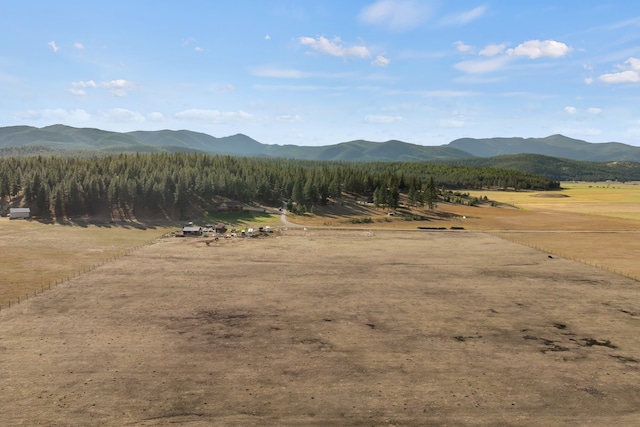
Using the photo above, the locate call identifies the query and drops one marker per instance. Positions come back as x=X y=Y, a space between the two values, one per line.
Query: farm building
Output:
x=15 y=213
x=192 y=230
x=221 y=228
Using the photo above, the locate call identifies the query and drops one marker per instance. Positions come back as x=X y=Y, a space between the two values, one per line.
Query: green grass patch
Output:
x=243 y=219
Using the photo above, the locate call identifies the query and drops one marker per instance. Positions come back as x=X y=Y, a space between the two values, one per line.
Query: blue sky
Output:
x=323 y=72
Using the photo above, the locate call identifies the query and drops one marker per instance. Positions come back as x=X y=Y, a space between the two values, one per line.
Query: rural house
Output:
x=192 y=230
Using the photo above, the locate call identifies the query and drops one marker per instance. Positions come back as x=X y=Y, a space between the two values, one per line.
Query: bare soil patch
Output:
x=318 y=327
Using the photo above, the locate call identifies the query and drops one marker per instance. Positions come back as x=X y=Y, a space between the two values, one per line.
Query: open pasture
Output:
x=611 y=199
x=37 y=256
x=595 y=223
x=322 y=327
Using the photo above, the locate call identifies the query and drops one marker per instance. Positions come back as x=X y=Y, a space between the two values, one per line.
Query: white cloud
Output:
x=452 y=123
x=634 y=63
x=267 y=37
x=628 y=76
x=630 y=73
x=534 y=49
x=571 y=110
x=493 y=49
x=78 y=45
x=198 y=49
x=117 y=87
x=463 y=18
x=588 y=80
x=396 y=15
x=88 y=83
x=335 y=47
x=53 y=46
x=59 y=115
x=122 y=115
x=594 y=110
x=479 y=66
x=155 y=117
x=382 y=119
x=214 y=116
x=380 y=61
x=289 y=118
x=464 y=48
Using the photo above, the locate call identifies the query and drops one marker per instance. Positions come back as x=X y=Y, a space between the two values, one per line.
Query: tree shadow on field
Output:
x=85 y=223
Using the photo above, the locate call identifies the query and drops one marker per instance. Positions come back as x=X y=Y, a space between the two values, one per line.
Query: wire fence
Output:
x=12 y=302
x=600 y=265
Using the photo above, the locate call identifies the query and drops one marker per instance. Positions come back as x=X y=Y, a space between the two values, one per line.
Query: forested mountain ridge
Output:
x=63 y=137
x=552 y=146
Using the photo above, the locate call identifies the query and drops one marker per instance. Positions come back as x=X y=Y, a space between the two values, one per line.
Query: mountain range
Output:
x=517 y=153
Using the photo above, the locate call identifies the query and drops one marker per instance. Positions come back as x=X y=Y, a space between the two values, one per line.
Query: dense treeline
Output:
x=556 y=168
x=170 y=183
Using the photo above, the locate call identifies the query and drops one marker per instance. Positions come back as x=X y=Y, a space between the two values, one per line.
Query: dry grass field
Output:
x=506 y=323
x=37 y=256
x=327 y=328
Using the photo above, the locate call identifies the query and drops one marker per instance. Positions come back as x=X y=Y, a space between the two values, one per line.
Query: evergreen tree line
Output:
x=170 y=182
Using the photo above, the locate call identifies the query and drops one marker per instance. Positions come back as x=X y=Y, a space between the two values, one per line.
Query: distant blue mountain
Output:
x=61 y=137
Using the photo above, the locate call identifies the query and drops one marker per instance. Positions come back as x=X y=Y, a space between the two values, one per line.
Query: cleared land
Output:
x=332 y=327
x=327 y=328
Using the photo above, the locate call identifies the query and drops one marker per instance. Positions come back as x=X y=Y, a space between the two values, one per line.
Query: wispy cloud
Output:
x=55 y=114
x=78 y=45
x=335 y=47
x=463 y=18
x=480 y=66
x=289 y=118
x=396 y=15
x=214 y=116
x=122 y=115
x=462 y=47
x=382 y=119
x=290 y=73
x=117 y=88
x=380 y=61
x=492 y=50
x=54 y=46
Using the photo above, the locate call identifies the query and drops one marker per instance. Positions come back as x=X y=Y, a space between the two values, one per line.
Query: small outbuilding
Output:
x=16 y=213
x=192 y=230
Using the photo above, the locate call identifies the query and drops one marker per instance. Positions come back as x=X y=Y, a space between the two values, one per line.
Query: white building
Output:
x=15 y=213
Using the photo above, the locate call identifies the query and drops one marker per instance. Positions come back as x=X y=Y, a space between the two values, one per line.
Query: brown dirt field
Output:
x=319 y=327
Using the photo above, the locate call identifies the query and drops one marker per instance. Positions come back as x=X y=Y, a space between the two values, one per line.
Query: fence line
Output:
x=565 y=256
x=85 y=270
